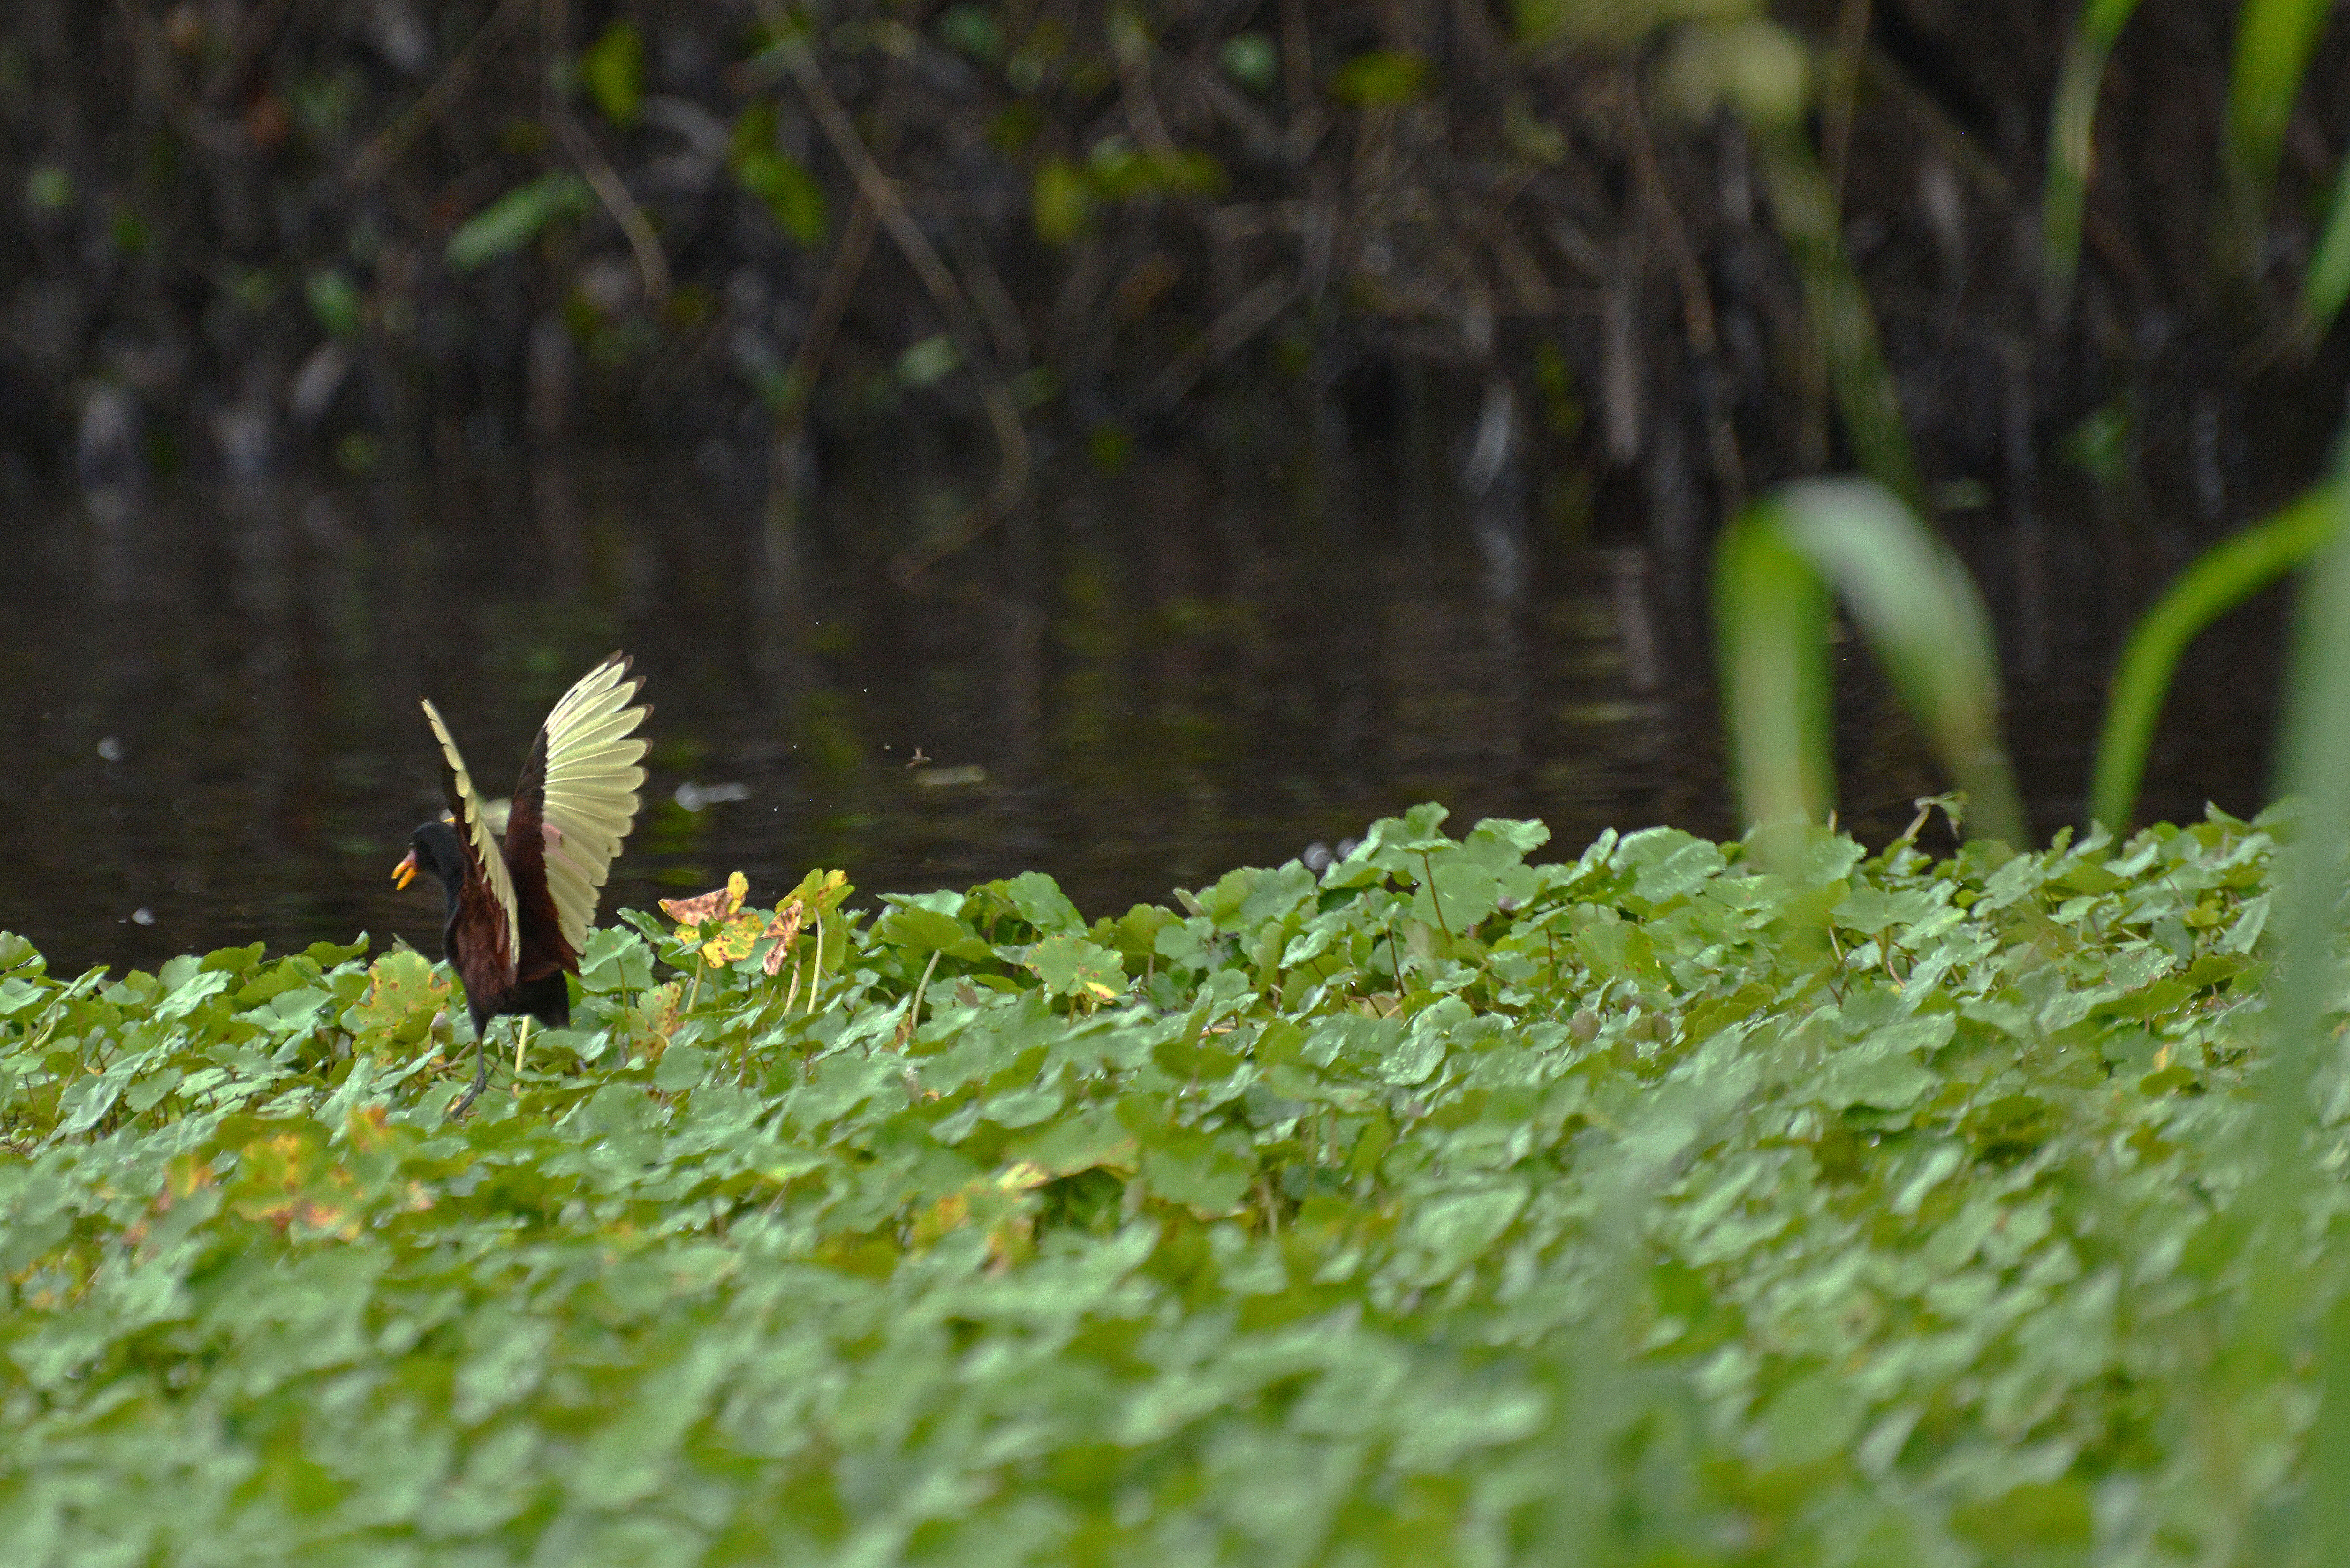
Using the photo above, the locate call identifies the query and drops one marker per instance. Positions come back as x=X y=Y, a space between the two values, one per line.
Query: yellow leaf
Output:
x=821 y=891
x=1022 y=1176
x=735 y=939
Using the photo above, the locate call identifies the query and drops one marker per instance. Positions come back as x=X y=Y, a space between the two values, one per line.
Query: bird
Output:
x=519 y=913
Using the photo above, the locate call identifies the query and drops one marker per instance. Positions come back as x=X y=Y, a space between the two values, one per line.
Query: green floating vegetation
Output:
x=1448 y=1206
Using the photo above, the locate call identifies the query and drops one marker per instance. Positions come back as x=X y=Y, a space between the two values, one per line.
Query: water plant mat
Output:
x=1445 y=1207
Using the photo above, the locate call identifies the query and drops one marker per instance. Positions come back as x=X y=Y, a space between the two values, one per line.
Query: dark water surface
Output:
x=212 y=737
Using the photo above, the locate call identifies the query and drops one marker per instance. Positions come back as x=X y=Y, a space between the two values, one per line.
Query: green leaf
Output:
x=1061 y=203
x=1813 y=1419
x=1458 y=895
x=1021 y=1107
x=932 y=359
x=1251 y=59
x=2326 y=286
x=519 y=217
x=1084 y=1141
x=1454 y=1230
x=2217 y=582
x=326 y=955
x=971 y=29
x=921 y=931
x=334 y=300
x=2072 y=119
x=1382 y=77
x=1690 y=1189
x=2275 y=41
x=1210 y=1175
x=1071 y=966
x=1756 y=67
x=614 y=70
x=681 y=1067
x=404 y=995
x=616 y=960
x=2036 y=1516
x=1041 y=903
x=789 y=191
x=291 y=1012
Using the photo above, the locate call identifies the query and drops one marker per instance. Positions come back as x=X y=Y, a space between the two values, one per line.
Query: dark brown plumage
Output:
x=518 y=911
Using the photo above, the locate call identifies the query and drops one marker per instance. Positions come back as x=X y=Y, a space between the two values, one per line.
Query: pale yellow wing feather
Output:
x=592 y=779
x=476 y=829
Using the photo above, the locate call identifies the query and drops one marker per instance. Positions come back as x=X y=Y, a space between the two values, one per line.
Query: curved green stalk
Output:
x=2071 y=138
x=1771 y=614
x=2328 y=284
x=2225 y=577
x=2274 y=40
x=2316 y=771
x=1909 y=598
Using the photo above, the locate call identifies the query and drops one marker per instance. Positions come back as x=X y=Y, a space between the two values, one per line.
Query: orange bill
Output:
x=405 y=872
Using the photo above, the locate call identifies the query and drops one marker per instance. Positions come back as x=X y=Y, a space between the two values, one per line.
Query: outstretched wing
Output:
x=474 y=834
x=582 y=779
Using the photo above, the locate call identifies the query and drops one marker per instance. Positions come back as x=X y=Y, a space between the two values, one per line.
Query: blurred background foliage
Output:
x=1202 y=426
x=1692 y=247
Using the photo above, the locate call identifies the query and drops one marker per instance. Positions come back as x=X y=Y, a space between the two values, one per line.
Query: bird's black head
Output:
x=434 y=847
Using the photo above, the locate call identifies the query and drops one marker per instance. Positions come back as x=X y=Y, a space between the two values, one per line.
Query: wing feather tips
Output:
x=608 y=682
x=592 y=780
x=481 y=845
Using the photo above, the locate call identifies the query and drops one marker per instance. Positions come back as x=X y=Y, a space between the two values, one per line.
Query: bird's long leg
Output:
x=522 y=1038
x=481 y=1075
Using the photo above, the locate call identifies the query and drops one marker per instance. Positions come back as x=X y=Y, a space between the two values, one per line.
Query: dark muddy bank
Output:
x=245 y=237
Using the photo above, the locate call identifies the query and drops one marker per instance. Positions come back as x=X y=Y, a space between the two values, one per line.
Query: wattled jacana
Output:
x=518 y=916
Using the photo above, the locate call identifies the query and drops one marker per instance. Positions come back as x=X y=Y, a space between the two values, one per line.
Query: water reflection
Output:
x=1131 y=683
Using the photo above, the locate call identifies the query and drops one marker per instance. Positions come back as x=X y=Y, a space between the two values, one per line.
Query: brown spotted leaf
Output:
x=710 y=906
x=785 y=928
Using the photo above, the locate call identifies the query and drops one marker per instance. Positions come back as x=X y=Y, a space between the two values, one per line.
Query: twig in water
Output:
x=376 y=158
x=1248 y=315
x=823 y=321
x=252 y=39
x=938 y=279
x=651 y=265
x=1843 y=93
